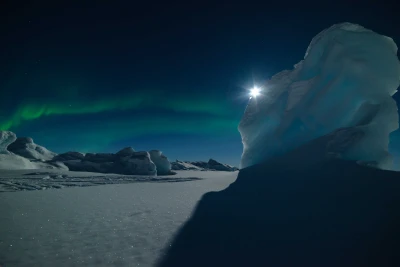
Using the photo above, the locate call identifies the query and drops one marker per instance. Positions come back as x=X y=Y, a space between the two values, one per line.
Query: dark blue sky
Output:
x=102 y=76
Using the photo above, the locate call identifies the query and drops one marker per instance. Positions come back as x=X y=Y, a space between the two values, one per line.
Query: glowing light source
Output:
x=254 y=92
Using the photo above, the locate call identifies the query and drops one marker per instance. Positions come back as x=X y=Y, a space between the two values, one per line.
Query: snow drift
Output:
x=15 y=162
x=343 y=87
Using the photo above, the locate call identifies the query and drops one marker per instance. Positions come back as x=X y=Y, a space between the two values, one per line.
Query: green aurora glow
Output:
x=31 y=111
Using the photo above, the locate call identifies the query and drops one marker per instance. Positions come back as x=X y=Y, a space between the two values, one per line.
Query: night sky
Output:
x=99 y=77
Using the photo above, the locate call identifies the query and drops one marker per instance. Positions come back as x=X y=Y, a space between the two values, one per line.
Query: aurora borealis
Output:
x=103 y=124
x=100 y=77
x=137 y=101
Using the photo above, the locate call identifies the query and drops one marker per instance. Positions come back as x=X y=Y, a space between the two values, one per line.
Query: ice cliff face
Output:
x=343 y=87
x=161 y=161
x=6 y=138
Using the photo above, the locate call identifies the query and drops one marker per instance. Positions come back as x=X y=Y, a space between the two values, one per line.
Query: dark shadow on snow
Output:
x=296 y=210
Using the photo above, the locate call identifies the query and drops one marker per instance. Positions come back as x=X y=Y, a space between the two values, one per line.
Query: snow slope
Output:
x=15 y=162
x=346 y=80
x=113 y=225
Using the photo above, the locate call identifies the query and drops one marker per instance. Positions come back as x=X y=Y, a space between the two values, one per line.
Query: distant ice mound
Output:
x=343 y=87
x=211 y=165
x=161 y=161
x=217 y=166
x=182 y=165
x=71 y=155
x=127 y=151
x=25 y=147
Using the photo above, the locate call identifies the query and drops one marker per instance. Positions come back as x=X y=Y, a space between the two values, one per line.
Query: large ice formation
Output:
x=6 y=138
x=161 y=161
x=126 y=161
x=133 y=163
x=343 y=87
x=22 y=153
x=25 y=147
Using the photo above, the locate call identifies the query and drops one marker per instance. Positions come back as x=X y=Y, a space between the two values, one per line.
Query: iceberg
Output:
x=25 y=147
x=161 y=161
x=343 y=88
x=6 y=138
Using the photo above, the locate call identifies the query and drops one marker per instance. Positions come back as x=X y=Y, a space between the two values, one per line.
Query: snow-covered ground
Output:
x=125 y=224
x=22 y=180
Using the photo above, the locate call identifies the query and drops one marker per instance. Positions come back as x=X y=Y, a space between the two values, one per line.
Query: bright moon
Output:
x=254 y=92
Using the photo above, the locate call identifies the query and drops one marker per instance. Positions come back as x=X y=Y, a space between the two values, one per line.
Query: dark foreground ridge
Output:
x=296 y=210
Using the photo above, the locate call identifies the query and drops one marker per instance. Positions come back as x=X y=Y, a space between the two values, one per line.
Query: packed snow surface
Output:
x=42 y=179
x=343 y=86
x=112 y=225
